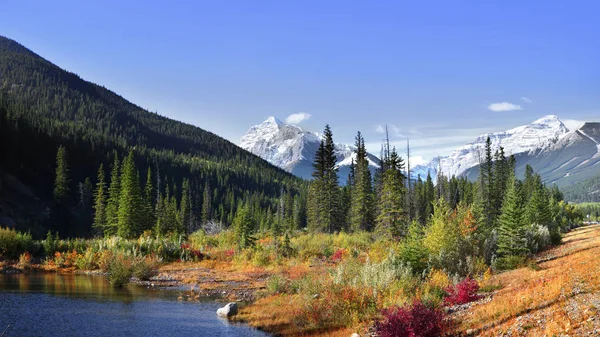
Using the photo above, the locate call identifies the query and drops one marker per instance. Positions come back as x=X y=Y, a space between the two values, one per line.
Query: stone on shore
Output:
x=228 y=310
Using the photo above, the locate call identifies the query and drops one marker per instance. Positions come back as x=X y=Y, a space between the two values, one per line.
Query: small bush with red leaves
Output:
x=464 y=292
x=417 y=320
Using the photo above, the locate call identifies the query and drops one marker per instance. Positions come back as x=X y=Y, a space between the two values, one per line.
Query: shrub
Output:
x=25 y=260
x=463 y=292
x=338 y=255
x=13 y=243
x=538 y=238
x=510 y=262
x=87 y=260
x=145 y=268
x=50 y=244
x=119 y=271
x=277 y=284
x=417 y=320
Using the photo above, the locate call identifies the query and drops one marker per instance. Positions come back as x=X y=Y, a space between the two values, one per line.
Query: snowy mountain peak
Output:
x=292 y=148
x=540 y=134
x=273 y=121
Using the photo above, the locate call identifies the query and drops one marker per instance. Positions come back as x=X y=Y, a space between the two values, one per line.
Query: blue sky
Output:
x=432 y=69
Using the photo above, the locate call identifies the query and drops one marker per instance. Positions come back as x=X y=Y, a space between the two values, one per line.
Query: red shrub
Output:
x=338 y=255
x=417 y=320
x=464 y=292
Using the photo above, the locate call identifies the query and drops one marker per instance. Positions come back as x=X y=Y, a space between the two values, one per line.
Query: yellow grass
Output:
x=567 y=274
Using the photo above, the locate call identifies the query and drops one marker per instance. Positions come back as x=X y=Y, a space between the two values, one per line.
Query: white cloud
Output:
x=526 y=99
x=393 y=130
x=297 y=118
x=573 y=124
x=504 y=106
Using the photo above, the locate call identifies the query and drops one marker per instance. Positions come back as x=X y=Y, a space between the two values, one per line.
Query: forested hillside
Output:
x=43 y=107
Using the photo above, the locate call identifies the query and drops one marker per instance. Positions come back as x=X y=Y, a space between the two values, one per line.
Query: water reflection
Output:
x=48 y=304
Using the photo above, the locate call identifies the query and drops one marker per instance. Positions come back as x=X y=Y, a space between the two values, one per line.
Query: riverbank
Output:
x=558 y=292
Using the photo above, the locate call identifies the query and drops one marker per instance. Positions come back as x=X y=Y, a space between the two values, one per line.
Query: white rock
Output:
x=228 y=310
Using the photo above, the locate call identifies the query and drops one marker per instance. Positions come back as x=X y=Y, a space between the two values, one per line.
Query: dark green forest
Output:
x=43 y=107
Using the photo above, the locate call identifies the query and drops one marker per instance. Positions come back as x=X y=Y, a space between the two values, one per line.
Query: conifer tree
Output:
x=362 y=203
x=100 y=202
x=112 y=204
x=61 y=213
x=185 y=208
x=512 y=240
x=324 y=193
x=149 y=216
x=331 y=207
x=207 y=214
x=390 y=219
x=130 y=200
x=62 y=180
x=244 y=227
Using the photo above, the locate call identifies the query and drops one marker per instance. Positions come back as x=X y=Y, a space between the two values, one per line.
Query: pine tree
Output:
x=361 y=205
x=331 y=207
x=112 y=204
x=324 y=193
x=185 y=208
x=100 y=202
x=130 y=200
x=512 y=240
x=62 y=180
x=149 y=216
x=207 y=214
x=390 y=219
x=61 y=212
x=244 y=227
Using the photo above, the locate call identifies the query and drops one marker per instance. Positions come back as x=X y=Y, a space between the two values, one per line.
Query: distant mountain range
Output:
x=293 y=148
x=562 y=156
x=526 y=138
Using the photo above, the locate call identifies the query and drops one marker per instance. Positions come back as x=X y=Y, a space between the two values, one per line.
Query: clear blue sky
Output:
x=430 y=68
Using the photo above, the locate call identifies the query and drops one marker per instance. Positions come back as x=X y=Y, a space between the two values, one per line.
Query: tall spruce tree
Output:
x=512 y=239
x=390 y=219
x=362 y=198
x=207 y=213
x=112 y=204
x=244 y=226
x=148 y=199
x=100 y=202
x=61 y=210
x=130 y=214
x=185 y=208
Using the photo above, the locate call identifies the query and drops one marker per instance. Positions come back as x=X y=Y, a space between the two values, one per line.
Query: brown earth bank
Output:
x=559 y=295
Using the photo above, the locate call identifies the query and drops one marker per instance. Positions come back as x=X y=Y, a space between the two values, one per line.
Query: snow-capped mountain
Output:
x=293 y=148
x=540 y=134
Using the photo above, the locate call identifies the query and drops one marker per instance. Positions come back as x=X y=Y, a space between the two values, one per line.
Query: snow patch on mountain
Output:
x=540 y=134
x=293 y=148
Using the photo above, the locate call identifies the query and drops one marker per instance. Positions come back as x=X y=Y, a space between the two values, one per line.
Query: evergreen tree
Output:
x=100 y=202
x=149 y=216
x=112 y=204
x=61 y=210
x=390 y=219
x=362 y=203
x=244 y=227
x=324 y=209
x=512 y=240
x=207 y=214
x=130 y=200
x=185 y=208
x=62 y=180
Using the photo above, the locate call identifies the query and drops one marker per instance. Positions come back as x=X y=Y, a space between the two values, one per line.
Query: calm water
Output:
x=82 y=305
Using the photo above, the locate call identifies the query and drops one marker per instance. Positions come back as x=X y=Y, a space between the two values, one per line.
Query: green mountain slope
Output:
x=43 y=106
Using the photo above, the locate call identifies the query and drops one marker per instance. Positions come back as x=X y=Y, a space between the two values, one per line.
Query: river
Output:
x=47 y=304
